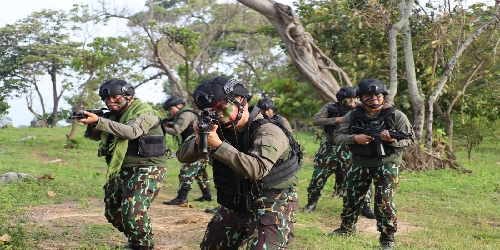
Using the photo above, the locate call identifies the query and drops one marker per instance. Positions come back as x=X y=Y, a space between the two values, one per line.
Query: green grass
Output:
x=447 y=209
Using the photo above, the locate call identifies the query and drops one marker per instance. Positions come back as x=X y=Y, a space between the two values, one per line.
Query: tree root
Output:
x=416 y=159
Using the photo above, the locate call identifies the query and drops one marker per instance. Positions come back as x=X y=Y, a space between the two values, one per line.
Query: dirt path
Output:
x=174 y=227
x=71 y=223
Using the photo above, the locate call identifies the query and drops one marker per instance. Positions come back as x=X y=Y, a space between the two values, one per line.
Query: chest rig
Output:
x=384 y=121
x=334 y=110
x=237 y=192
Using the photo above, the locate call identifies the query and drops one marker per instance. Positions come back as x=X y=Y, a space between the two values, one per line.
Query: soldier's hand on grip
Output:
x=362 y=139
x=90 y=119
x=386 y=136
x=213 y=138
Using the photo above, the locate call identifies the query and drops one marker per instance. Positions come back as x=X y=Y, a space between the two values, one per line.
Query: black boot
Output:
x=311 y=206
x=367 y=212
x=131 y=247
x=386 y=241
x=206 y=196
x=181 y=198
x=341 y=231
x=211 y=211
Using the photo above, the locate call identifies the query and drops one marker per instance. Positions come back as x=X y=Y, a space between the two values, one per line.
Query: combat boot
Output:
x=311 y=206
x=206 y=195
x=367 y=212
x=386 y=241
x=211 y=211
x=131 y=247
x=181 y=198
x=341 y=231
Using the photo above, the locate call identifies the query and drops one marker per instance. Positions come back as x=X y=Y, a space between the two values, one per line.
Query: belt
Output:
x=277 y=191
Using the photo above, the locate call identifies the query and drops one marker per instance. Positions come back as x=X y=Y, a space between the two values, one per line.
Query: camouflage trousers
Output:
x=128 y=197
x=358 y=181
x=269 y=226
x=329 y=159
x=191 y=171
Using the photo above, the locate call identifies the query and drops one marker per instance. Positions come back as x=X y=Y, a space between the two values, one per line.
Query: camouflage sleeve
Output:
x=403 y=125
x=187 y=151
x=343 y=133
x=130 y=131
x=181 y=124
x=269 y=143
x=320 y=118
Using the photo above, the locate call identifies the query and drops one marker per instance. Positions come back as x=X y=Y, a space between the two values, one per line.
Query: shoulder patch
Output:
x=147 y=122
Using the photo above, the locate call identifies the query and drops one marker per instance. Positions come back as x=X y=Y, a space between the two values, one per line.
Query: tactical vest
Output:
x=151 y=144
x=237 y=192
x=381 y=122
x=334 y=110
x=189 y=129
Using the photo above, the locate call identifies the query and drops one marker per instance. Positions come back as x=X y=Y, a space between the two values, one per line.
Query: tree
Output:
x=494 y=19
x=34 y=46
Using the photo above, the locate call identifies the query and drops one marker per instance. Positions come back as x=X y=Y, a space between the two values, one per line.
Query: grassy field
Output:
x=437 y=210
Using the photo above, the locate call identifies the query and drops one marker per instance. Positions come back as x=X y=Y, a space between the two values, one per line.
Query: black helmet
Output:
x=172 y=101
x=371 y=86
x=265 y=103
x=116 y=87
x=345 y=92
x=217 y=90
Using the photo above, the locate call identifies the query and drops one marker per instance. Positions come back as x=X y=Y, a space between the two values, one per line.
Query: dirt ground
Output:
x=174 y=227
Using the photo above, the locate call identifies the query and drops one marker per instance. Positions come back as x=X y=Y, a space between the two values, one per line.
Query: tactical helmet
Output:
x=265 y=103
x=345 y=92
x=116 y=87
x=217 y=91
x=172 y=101
x=371 y=86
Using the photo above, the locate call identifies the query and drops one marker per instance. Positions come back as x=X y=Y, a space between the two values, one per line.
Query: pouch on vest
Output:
x=152 y=146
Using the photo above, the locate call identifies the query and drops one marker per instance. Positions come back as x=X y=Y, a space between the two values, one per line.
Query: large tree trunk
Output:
x=79 y=106
x=415 y=97
x=311 y=62
x=449 y=69
x=404 y=14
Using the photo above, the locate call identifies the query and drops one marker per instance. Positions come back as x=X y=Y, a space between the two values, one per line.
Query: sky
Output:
x=11 y=11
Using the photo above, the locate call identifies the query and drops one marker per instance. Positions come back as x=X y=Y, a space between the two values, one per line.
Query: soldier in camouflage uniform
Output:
x=133 y=144
x=181 y=127
x=268 y=109
x=368 y=163
x=332 y=158
x=255 y=162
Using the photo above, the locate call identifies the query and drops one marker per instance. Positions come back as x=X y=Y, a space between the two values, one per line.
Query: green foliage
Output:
x=32 y=47
x=294 y=99
x=4 y=106
x=473 y=130
x=184 y=36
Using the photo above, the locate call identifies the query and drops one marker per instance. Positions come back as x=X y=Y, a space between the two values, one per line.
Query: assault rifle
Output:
x=169 y=121
x=375 y=133
x=206 y=120
x=80 y=115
